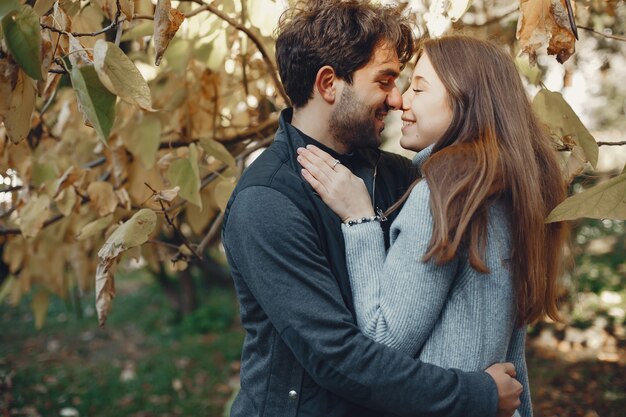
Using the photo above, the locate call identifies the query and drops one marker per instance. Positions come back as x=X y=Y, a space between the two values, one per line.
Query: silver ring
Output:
x=337 y=162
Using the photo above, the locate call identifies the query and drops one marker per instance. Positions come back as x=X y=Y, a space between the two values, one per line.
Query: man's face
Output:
x=358 y=117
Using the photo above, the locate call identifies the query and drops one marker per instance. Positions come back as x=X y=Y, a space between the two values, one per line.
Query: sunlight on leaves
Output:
x=118 y=73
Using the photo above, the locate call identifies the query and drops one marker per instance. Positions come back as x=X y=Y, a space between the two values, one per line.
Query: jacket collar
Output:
x=295 y=138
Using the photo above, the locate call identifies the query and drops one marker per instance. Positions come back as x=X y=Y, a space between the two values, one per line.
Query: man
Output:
x=303 y=354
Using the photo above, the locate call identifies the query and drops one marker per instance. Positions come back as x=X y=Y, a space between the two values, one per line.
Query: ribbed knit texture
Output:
x=449 y=315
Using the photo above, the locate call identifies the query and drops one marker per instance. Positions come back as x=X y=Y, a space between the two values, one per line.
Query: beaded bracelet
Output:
x=379 y=217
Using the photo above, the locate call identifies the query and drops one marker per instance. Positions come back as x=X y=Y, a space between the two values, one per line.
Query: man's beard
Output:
x=352 y=122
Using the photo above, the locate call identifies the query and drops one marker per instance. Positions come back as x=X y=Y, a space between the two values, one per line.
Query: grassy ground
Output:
x=141 y=364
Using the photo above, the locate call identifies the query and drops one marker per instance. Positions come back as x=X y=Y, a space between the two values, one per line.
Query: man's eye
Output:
x=384 y=83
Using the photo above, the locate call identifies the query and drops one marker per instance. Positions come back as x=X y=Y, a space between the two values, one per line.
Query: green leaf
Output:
x=143 y=141
x=554 y=111
x=138 y=31
x=22 y=36
x=218 y=151
x=8 y=6
x=185 y=174
x=96 y=102
x=603 y=201
x=118 y=73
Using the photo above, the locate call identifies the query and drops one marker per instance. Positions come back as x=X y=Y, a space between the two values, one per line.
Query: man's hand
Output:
x=509 y=389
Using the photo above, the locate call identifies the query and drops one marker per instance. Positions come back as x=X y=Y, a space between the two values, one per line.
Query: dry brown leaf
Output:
x=33 y=215
x=128 y=8
x=166 y=23
x=47 y=55
x=66 y=201
x=102 y=197
x=14 y=253
x=167 y=195
x=17 y=120
x=544 y=22
x=133 y=233
x=69 y=177
x=123 y=198
x=8 y=79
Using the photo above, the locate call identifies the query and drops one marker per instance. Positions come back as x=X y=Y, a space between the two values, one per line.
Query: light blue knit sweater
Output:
x=449 y=315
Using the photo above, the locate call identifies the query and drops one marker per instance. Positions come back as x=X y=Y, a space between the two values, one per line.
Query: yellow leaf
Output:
x=199 y=218
x=43 y=6
x=144 y=138
x=218 y=151
x=66 y=201
x=21 y=106
x=102 y=197
x=132 y=233
x=185 y=174
x=166 y=23
x=120 y=76
x=7 y=287
x=89 y=20
x=33 y=215
x=563 y=122
x=94 y=227
x=15 y=251
x=223 y=189
x=544 y=22
x=603 y=201
x=40 y=302
x=128 y=8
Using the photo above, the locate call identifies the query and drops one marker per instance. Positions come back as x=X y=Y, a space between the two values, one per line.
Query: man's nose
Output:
x=394 y=99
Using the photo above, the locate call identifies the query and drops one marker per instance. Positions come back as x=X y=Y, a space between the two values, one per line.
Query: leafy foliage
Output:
x=125 y=125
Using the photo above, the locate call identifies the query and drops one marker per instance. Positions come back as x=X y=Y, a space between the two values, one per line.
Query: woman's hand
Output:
x=342 y=191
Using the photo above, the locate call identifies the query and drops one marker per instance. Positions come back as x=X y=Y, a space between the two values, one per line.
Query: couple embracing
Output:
x=372 y=285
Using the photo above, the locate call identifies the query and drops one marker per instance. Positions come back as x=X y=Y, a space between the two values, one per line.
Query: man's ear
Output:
x=326 y=83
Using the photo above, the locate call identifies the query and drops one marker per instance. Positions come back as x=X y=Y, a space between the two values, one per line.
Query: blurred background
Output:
x=172 y=340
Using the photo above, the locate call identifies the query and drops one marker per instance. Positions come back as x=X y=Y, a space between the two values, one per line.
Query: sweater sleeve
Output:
x=398 y=297
x=516 y=354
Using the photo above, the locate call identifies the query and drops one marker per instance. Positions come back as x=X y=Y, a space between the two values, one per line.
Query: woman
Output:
x=471 y=260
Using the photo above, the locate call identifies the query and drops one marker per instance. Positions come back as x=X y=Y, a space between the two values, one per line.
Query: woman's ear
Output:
x=326 y=83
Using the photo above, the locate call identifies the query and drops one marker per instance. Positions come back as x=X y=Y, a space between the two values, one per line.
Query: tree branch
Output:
x=262 y=130
x=616 y=37
x=113 y=25
x=169 y=221
x=266 y=57
x=212 y=233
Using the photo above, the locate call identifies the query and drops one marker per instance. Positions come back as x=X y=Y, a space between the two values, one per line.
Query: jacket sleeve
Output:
x=516 y=354
x=398 y=298
x=276 y=251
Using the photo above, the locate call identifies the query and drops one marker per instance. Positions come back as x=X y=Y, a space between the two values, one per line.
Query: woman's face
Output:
x=426 y=108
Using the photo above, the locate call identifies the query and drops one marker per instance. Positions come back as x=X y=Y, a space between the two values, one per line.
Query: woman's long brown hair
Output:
x=494 y=148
